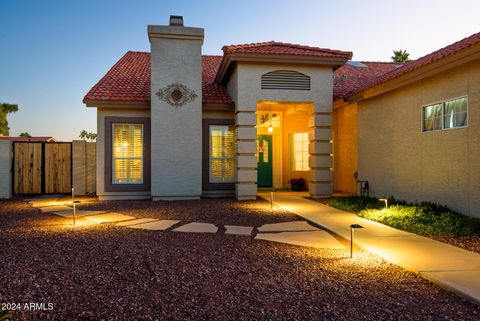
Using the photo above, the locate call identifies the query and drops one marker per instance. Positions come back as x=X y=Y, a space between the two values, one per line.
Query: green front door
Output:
x=264 y=161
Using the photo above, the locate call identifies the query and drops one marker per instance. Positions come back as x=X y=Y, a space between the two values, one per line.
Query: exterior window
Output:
x=299 y=151
x=448 y=114
x=222 y=154
x=127 y=154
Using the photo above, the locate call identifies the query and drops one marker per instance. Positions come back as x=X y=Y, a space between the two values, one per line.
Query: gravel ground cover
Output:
x=470 y=242
x=103 y=272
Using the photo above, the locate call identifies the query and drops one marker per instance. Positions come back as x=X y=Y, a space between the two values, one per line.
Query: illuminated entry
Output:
x=222 y=154
x=127 y=153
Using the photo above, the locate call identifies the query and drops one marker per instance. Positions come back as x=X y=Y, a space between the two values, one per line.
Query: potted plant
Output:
x=298 y=184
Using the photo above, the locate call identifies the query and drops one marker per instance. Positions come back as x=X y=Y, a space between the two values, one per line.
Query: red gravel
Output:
x=100 y=272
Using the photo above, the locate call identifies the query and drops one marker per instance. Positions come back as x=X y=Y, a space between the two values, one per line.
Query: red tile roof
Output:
x=28 y=139
x=280 y=48
x=421 y=62
x=348 y=79
x=213 y=93
x=129 y=80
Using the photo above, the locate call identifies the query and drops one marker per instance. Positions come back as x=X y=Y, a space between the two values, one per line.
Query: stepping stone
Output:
x=78 y=213
x=287 y=227
x=238 y=230
x=109 y=218
x=318 y=239
x=46 y=203
x=197 y=228
x=137 y=221
x=161 y=225
x=48 y=209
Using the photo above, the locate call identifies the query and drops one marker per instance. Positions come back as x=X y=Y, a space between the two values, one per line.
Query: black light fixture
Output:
x=352 y=228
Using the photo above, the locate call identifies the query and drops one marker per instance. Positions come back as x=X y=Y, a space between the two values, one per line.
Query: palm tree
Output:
x=83 y=134
x=92 y=136
x=400 y=56
x=4 y=110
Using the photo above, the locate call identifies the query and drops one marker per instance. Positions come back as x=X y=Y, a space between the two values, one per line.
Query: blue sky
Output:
x=52 y=52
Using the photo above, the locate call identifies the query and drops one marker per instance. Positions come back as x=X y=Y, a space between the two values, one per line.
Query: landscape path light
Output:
x=385 y=200
x=271 y=200
x=74 y=203
x=352 y=228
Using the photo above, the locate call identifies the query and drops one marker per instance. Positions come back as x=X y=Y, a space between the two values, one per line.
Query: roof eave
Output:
x=230 y=58
x=120 y=104
x=447 y=63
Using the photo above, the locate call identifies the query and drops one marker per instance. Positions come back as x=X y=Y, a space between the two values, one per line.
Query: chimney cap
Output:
x=176 y=21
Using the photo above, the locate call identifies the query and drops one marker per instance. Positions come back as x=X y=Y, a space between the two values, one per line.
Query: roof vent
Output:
x=176 y=21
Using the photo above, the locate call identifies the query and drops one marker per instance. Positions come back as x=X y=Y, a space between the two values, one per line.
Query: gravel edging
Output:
x=106 y=272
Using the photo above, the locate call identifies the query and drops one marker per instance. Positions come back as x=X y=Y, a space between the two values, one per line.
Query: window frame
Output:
x=108 y=154
x=221 y=158
x=441 y=102
x=292 y=152
x=128 y=158
x=206 y=184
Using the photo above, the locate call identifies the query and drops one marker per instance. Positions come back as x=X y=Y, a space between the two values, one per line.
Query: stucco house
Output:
x=173 y=124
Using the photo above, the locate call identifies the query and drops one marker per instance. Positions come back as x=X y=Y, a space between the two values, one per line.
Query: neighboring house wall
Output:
x=101 y=137
x=398 y=159
x=345 y=147
x=247 y=90
x=5 y=169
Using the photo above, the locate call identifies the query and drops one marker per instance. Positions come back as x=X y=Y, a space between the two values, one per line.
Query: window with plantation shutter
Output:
x=222 y=154
x=127 y=153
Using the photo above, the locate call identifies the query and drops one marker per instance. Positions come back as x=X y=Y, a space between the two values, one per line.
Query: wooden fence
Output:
x=53 y=168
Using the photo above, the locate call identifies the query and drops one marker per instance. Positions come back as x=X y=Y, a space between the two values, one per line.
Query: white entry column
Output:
x=246 y=168
x=320 y=160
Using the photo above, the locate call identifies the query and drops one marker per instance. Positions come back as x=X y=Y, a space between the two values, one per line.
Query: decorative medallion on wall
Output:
x=176 y=94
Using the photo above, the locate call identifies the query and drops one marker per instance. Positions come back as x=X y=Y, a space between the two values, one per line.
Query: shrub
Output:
x=424 y=218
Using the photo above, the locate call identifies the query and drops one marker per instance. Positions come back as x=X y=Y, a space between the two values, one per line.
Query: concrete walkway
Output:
x=447 y=265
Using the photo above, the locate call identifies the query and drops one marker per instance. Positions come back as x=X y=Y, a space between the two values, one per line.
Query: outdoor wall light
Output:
x=385 y=200
x=352 y=228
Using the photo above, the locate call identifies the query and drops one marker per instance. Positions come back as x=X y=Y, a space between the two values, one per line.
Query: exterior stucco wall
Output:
x=101 y=135
x=176 y=141
x=5 y=169
x=246 y=90
x=345 y=148
x=398 y=159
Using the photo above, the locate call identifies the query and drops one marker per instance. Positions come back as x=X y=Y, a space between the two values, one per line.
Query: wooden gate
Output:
x=42 y=168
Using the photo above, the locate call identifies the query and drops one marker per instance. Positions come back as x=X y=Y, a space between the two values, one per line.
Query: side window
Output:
x=448 y=114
